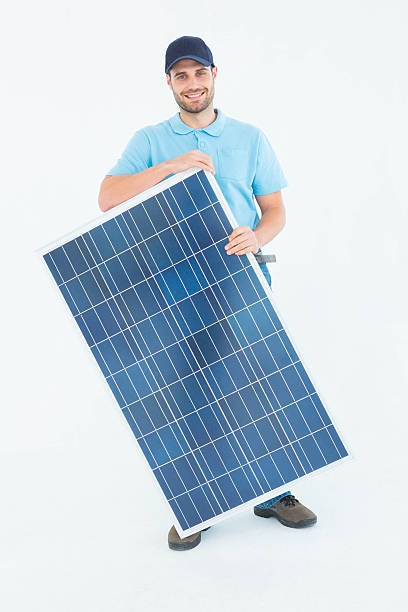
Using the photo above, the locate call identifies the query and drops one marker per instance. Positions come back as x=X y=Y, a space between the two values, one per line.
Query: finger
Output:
x=203 y=166
x=239 y=230
x=238 y=240
x=244 y=251
x=237 y=246
x=202 y=155
x=198 y=156
x=206 y=159
x=240 y=247
x=249 y=248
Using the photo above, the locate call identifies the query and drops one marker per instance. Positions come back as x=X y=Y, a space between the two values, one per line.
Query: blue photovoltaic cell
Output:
x=194 y=352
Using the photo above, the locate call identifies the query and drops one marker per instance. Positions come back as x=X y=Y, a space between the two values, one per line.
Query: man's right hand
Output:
x=117 y=189
x=191 y=159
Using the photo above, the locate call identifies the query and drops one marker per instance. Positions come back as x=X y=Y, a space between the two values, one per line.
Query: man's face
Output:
x=192 y=85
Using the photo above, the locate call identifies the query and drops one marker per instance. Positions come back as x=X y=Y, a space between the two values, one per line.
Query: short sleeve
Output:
x=269 y=176
x=136 y=156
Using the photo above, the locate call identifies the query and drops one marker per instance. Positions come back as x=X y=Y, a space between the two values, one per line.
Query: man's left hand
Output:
x=242 y=241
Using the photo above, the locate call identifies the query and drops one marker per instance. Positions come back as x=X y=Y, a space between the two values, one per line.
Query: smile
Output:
x=194 y=96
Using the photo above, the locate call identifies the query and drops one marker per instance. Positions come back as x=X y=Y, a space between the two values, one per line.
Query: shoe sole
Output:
x=186 y=545
x=267 y=513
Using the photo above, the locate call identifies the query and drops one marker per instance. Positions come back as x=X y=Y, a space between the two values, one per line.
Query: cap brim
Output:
x=201 y=60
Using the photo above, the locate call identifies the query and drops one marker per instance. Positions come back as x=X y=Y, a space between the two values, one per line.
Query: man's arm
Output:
x=244 y=240
x=117 y=189
x=273 y=217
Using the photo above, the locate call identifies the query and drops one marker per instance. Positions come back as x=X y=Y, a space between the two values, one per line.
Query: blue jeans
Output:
x=266 y=274
x=272 y=501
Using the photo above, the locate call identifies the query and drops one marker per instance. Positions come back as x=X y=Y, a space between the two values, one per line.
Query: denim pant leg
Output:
x=272 y=501
x=265 y=271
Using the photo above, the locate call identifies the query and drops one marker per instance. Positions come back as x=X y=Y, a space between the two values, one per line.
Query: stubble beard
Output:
x=195 y=109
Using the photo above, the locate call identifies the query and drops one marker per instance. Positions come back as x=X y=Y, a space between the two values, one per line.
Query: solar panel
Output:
x=193 y=349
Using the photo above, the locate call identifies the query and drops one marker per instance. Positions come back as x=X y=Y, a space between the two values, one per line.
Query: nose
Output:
x=192 y=84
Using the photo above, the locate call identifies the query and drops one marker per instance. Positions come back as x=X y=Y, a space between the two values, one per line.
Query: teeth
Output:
x=194 y=95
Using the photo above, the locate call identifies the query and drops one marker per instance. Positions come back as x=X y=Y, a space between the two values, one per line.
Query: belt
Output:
x=262 y=258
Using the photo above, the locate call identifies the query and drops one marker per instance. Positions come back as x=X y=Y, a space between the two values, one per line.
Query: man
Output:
x=245 y=165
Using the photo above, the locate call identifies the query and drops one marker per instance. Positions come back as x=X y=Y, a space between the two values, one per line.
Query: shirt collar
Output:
x=214 y=129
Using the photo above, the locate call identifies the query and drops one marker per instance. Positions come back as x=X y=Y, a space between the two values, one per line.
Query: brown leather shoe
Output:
x=289 y=511
x=177 y=543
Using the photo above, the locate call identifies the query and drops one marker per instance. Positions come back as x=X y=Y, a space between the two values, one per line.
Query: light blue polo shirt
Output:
x=244 y=160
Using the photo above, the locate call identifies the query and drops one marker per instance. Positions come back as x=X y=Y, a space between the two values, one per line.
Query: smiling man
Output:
x=245 y=165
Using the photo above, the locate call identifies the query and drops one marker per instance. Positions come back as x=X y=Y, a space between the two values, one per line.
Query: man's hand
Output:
x=243 y=240
x=191 y=159
x=117 y=189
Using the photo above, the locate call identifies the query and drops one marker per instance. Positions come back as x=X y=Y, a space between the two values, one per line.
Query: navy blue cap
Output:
x=188 y=47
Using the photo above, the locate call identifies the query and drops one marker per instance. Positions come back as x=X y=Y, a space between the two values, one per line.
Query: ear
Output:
x=214 y=72
x=168 y=80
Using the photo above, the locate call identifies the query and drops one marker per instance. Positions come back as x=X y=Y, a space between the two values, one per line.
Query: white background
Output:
x=83 y=525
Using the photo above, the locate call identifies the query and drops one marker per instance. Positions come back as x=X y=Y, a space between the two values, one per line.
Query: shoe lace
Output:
x=289 y=500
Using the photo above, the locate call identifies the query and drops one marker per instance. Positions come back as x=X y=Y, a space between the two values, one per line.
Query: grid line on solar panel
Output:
x=100 y=285
x=254 y=421
x=186 y=455
x=82 y=263
x=232 y=431
x=146 y=391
